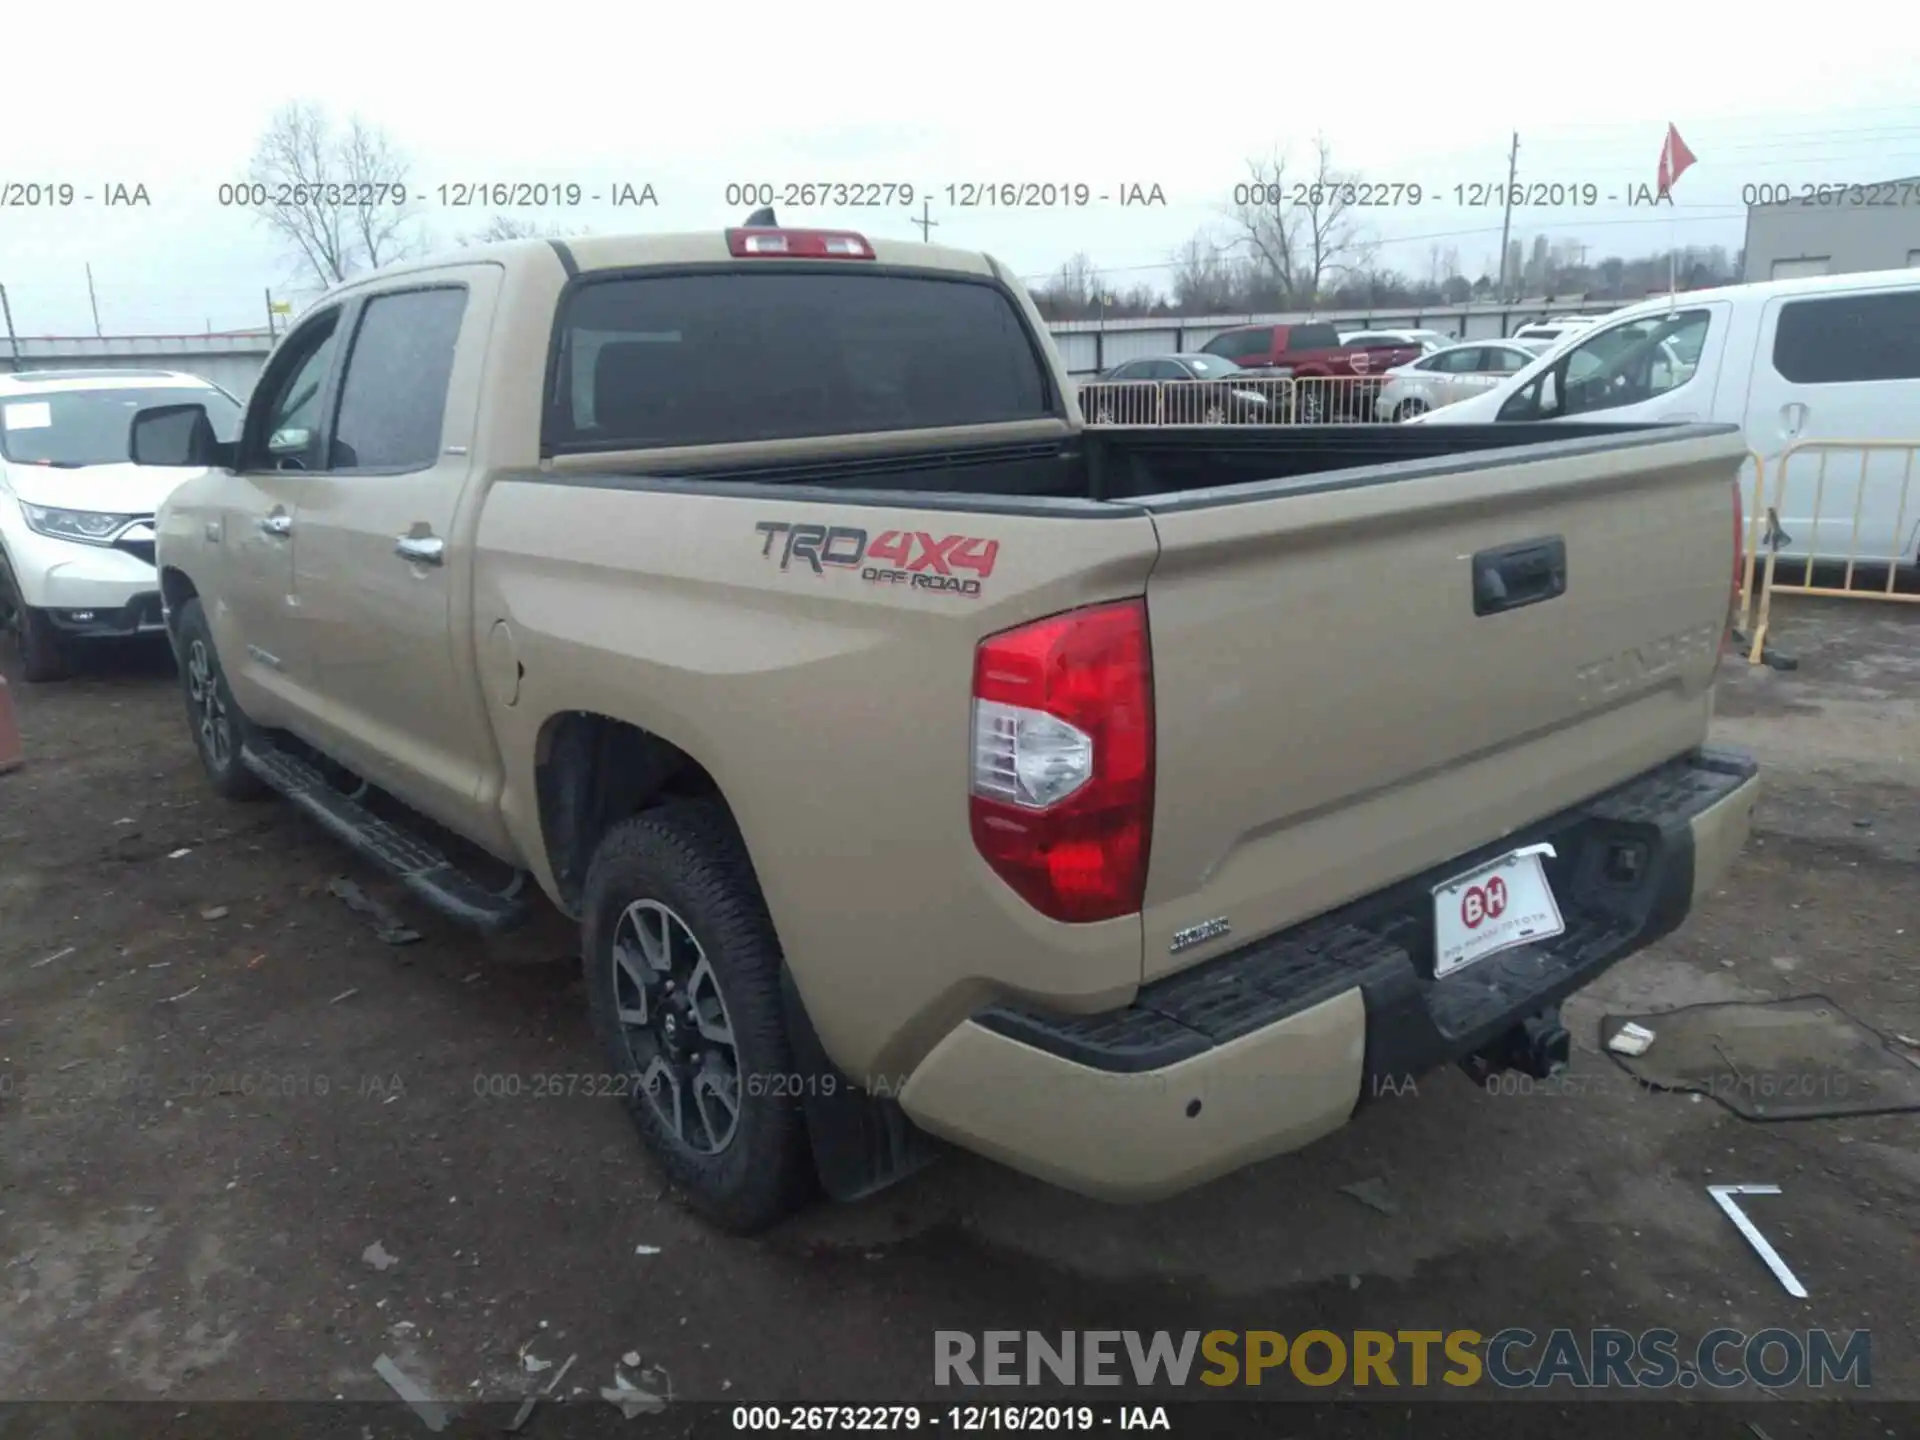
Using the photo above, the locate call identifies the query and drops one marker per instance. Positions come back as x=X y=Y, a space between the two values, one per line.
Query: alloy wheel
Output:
x=203 y=690
x=675 y=1024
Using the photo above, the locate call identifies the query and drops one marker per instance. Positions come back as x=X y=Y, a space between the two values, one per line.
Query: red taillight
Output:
x=1062 y=772
x=800 y=244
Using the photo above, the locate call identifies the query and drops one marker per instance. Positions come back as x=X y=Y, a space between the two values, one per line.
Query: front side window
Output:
x=1631 y=363
x=284 y=429
x=1313 y=337
x=71 y=429
x=1240 y=344
x=393 y=400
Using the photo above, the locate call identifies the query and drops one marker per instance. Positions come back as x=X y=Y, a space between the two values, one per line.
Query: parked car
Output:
x=922 y=764
x=1427 y=340
x=1552 y=332
x=76 y=516
x=1219 y=402
x=1822 y=358
x=1335 y=380
x=1445 y=376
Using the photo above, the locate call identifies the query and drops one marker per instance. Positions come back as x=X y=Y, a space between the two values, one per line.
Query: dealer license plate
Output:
x=1506 y=902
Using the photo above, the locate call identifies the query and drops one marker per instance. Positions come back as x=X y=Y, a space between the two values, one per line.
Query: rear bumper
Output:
x=1264 y=1049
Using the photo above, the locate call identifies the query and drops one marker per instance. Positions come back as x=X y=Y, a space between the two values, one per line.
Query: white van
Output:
x=1824 y=358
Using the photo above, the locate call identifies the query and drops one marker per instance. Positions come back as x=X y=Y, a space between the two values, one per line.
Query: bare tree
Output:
x=338 y=199
x=1300 y=225
x=1206 y=278
x=1074 y=291
x=512 y=227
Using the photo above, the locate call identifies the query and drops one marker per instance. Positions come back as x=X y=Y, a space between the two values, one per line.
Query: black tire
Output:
x=1409 y=408
x=42 y=655
x=218 y=726
x=687 y=858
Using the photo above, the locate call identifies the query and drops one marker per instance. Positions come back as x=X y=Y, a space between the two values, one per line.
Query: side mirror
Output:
x=178 y=436
x=293 y=440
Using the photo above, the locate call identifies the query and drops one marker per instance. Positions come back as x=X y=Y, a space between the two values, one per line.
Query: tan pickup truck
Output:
x=922 y=764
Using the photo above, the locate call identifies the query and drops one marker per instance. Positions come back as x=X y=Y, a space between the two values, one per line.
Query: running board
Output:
x=423 y=869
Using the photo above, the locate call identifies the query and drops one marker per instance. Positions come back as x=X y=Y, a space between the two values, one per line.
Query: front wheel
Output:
x=218 y=726
x=683 y=980
x=1407 y=409
x=42 y=656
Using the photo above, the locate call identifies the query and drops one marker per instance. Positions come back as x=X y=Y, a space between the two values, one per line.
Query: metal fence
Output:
x=1255 y=400
x=1879 y=548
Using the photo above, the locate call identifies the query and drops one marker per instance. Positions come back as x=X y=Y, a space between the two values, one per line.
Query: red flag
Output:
x=1674 y=159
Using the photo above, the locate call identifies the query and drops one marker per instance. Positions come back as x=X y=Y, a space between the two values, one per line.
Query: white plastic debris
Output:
x=1723 y=1197
x=183 y=850
x=1631 y=1039
x=376 y=1255
x=646 y=1249
x=57 y=955
x=631 y=1359
x=432 y=1415
x=631 y=1399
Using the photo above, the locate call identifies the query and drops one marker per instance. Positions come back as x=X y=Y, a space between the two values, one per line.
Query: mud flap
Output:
x=861 y=1143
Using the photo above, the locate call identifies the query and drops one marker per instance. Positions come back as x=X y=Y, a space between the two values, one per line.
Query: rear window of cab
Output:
x=652 y=361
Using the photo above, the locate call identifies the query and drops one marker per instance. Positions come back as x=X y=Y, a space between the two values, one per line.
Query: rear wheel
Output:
x=219 y=727
x=683 y=980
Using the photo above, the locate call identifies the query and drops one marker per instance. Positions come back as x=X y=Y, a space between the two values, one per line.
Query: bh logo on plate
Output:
x=1483 y=902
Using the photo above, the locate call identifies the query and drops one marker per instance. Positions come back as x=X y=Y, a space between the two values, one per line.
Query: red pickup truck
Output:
x=1340 y=378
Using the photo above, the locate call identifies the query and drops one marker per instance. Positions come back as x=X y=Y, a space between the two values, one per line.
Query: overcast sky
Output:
x=690 y=98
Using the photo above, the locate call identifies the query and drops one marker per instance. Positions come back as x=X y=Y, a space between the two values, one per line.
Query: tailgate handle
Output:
x=1517 y=575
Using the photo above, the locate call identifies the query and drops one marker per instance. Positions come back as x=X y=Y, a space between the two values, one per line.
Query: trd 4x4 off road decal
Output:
x=909 y=557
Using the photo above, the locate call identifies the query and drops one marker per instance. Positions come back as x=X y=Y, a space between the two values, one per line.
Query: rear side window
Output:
x=718 y=358
x=1313 y=337
x=394 y=398
x=1849 y=338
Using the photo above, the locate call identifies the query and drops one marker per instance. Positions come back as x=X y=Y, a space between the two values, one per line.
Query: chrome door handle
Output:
x=276 y=524
x=421 y=549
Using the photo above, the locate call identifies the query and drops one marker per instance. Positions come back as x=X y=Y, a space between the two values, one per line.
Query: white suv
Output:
x=76 y=516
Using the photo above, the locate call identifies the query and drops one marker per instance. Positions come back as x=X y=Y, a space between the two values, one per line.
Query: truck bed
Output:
x=1201 y=464
x=1374 y=649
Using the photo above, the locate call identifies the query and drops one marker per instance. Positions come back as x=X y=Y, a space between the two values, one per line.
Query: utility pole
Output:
x=13 y=340
x=1506 y=222
x=93 y=300
x=926 y=222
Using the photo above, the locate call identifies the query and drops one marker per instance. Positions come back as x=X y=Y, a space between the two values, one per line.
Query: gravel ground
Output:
x=220 y=1089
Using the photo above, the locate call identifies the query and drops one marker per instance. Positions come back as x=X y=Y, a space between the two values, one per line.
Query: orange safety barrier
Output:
x=12 y=754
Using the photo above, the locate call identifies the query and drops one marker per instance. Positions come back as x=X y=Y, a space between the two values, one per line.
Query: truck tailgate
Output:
x=1359 y=675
